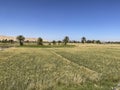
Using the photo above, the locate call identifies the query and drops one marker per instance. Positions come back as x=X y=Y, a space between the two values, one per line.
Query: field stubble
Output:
x=84 y=67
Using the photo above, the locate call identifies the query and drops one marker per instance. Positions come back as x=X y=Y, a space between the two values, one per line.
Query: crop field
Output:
x=84 y=67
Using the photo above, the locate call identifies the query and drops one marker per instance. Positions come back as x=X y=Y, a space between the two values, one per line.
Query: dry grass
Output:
x=85 y=67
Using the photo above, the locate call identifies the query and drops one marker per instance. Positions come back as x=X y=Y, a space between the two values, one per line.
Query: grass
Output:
x=34 y=45
x=47 y=46
x=84 y=67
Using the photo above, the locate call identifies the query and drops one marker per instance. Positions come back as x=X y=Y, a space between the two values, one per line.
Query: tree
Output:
x=6 y=40
x=11 y=41
x=59 y=42
x=98 y=42
x=66 y=40
x=88 y=41
x=54 y=42
x=40 y=41
x=3 y=41
x=27 y=41
x=93 y=41
x=21 y=39
x=49 y=43
x=83 y=39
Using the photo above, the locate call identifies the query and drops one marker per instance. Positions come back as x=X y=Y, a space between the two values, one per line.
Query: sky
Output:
x=55 y=19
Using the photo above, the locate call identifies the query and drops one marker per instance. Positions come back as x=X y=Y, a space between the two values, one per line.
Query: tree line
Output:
x=21 y=40
x=7 y=41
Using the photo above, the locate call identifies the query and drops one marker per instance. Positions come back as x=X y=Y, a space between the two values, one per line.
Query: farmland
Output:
x=84 y=67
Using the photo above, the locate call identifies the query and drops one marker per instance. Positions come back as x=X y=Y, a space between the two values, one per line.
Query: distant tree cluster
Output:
x=59 y=42
x=21 y=40
x=7 y=41
x=94 y=41
x=84 y=40
x=54 y=42
x=74 y=41
x=110 y=42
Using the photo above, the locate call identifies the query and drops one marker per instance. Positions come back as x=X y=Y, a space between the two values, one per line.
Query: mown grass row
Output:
x=102 y=59
x=39 y=69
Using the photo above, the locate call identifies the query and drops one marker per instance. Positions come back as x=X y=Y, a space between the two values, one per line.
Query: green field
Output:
x=84 y=67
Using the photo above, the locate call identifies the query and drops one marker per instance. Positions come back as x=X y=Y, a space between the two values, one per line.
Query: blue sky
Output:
x=54 y=19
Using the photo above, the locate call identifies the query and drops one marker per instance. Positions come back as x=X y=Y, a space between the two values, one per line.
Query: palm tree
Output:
x=21 y=39
x=93 y=41
x=11 y=41
x=98 y=42
x=83 y=39
x=59 y=42
x=66 y=40
x=54 y=42
x=40 y=41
